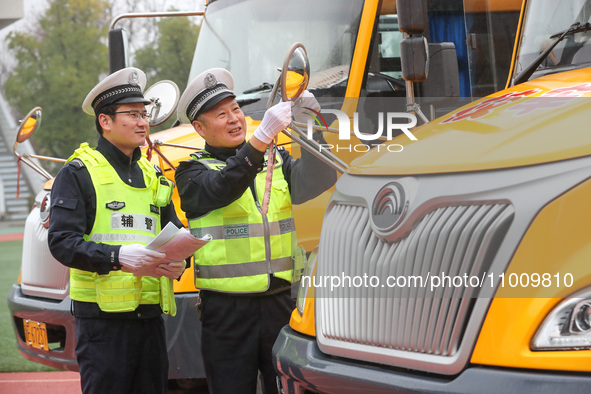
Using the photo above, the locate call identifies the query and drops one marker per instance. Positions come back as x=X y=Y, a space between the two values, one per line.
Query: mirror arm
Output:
x=413 y=107
x=27 y=155
x=33 y=165
x=160 y=143
x=331 y=130
x=163 y=157
x=153 y=15
x=273 y=94
x=315 y=149
x=155 y=110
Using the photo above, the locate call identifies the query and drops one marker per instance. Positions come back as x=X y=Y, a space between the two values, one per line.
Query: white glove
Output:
x=276 y=119
x=135 y=256
x=306 y=100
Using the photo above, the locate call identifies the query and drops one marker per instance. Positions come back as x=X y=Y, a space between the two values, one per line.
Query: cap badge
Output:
x=210 y=81
x=134 y=78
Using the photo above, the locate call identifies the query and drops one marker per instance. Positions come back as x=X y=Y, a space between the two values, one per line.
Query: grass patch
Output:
x=10 y=358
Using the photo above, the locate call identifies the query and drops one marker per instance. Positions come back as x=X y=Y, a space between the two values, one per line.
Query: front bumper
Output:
x=302 y=366
x=60 y=328
x=183 y=333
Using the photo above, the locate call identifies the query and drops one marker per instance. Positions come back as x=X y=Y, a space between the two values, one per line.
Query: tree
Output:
x=65 y=57
x=171 y=55
x=57 y=68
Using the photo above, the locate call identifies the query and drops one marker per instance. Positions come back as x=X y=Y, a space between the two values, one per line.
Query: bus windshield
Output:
x=544 y=22
x=251 y=39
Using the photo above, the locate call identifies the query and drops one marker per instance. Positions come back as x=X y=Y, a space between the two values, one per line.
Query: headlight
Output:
x=568 y=326
x=306 y=280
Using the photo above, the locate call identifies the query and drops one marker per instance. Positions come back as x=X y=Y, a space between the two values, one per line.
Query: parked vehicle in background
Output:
x=462 y=263
x=354 y=52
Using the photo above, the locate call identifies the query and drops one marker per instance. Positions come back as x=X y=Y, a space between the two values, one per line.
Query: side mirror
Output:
x=165 y=97
x=29 y=125
x=414 y=48
x=293 y=81
x=118 y=50
x=412 y=16
x=295 y=73
x=414 y=56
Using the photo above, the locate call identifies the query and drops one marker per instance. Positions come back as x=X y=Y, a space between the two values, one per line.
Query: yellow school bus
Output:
x=355 y=57
x=460 y=263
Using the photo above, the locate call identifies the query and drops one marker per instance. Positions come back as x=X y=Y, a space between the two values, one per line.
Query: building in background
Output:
x=12 y=10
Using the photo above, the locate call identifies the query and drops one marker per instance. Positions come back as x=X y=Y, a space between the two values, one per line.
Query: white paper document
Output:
x=176 y=243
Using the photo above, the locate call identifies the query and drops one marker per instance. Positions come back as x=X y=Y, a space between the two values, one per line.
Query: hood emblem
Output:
x=389 y=207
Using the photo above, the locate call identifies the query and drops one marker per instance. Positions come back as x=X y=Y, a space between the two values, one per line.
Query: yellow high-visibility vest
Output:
x=124 y=215
x=246 y=247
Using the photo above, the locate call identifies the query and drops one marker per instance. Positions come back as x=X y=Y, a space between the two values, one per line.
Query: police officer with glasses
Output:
x=107 y=204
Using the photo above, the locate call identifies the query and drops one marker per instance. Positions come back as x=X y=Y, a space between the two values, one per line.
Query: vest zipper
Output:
x=129 y=171
x=267 y=231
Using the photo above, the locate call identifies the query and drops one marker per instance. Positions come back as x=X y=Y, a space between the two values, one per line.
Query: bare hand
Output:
x=172 y=270
x=146 y=270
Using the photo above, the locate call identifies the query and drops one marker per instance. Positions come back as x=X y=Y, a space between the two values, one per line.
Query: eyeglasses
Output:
x=136 y=115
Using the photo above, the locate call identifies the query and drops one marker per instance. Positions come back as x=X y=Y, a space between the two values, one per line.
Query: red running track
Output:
x=40 y=383
x=11 y=237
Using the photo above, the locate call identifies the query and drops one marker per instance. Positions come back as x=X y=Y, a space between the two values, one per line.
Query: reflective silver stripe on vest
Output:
x=133 y=221
x=234 y=231
x=242 y=269
x=108 y=237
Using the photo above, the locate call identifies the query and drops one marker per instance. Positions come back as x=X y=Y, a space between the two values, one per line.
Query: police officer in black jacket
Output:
x=107 y=203
x=245 y=272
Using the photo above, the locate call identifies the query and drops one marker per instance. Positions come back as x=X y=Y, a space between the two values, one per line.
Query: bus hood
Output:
x=543 y=120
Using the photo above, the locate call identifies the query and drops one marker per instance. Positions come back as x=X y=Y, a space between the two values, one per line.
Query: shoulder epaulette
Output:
x=202 y=154
x=77 y=163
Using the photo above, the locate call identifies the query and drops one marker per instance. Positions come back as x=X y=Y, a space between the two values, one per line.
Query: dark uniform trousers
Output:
x=108 y=350
x=238 y=333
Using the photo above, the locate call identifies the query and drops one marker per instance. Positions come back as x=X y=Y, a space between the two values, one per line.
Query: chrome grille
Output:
x=454 y=240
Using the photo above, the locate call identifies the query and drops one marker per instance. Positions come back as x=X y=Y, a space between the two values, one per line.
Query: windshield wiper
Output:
x=260 y=88
x=243 y=102
x=577 y=27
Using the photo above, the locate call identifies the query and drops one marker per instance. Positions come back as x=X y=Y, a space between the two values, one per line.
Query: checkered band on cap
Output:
x=114 y=94
x=200 y=101
x=204 y=92
x=124 y=86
